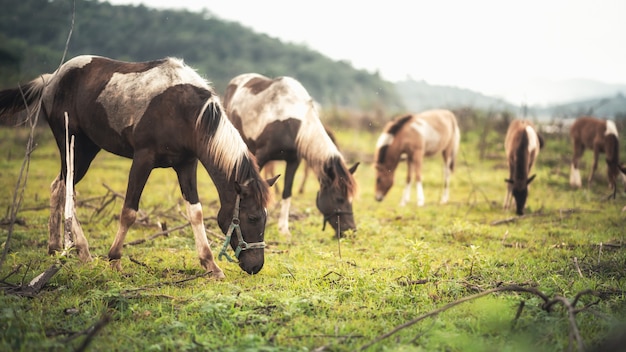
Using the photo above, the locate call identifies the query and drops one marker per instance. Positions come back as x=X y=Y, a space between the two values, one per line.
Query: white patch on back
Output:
x=430 y=135
x=282 y=100
x=127 y=95
x=533 y=140
x=610 y=128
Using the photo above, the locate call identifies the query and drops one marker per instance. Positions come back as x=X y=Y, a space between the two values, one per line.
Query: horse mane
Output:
x=337 y=175
x=396 y=125
x=521 y=156
x=386 y=138
x=313 y=142
x=228 y=151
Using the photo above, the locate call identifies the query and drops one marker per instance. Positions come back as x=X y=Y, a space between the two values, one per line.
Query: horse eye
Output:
x=253 y=218
x=341 y=200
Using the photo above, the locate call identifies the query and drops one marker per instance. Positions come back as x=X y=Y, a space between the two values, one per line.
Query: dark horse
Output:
x=600 y=136
x=416 y=136
x=521 y=145
x=278 y=121
x=161 y=114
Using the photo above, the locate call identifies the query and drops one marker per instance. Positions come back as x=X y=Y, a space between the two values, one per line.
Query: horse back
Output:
x=436 y=130
x=589 y=132
x=253 y=101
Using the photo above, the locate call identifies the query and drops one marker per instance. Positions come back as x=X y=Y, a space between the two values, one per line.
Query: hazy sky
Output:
x=484 y=45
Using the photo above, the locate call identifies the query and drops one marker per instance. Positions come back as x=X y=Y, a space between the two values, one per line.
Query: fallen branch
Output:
x=156 y=235
x=548 y=304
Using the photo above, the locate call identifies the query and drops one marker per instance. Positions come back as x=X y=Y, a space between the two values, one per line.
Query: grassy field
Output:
x=316 y=293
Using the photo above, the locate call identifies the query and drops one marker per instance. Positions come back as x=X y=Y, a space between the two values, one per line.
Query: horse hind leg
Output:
x=448 y=166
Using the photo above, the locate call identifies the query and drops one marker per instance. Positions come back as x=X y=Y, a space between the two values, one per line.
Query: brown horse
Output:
x=278 y=121
x=521 y=145
x=417 y=136
x=160 y=114
x=600 y=136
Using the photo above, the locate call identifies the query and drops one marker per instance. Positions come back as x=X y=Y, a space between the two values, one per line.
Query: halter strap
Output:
x=242 y=245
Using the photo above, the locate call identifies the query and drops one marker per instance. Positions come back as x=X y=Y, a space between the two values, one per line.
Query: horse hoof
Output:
x=116 y=264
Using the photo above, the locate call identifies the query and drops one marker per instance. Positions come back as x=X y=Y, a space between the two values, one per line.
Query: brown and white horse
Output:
x=278 y=121
x=416 y=136
x=600 y=136
x=521 y=145
x=161 y=114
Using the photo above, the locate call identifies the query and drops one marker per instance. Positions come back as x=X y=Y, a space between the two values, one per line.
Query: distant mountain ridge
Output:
x=569 y=98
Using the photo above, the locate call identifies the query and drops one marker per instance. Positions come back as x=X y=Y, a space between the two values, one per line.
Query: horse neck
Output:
x=391 y=157
x=224 y=183
x=522 y=159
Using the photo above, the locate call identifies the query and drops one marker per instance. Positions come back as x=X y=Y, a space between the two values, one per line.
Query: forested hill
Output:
x=33 y=35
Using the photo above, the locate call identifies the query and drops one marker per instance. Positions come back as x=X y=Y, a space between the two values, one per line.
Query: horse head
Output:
x=244 y=224
x=334 y=199
x=384 y=181
x=520 y=193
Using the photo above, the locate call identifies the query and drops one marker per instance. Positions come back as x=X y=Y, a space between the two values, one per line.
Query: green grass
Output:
x=315 y=293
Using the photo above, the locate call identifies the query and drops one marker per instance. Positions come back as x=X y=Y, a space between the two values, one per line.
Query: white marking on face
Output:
x=127 y=95
x=610 y=128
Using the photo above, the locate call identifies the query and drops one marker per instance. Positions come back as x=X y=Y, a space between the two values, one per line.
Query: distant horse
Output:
x=417 y=136
x=521 y=145
x=278 y=121
x=600 y=136
x=160 y=114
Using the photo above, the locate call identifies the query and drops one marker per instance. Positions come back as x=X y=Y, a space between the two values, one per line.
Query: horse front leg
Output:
x=137 y=178
x=285 y=203
x=188 y=185
x=574 y=176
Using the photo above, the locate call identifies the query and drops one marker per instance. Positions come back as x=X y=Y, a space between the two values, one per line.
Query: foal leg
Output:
x=574 y=176
x=421 y=199
x=447 y=172
x=596 y=153
x=188 y=186
x=139 y=173
x=406 y=194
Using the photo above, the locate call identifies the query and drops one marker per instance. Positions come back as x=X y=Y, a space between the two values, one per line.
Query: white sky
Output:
x=484 y=45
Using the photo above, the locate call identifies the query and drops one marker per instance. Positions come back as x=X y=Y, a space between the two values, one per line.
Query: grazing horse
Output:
x=521 y=145
x=160 y=114
x=278 y=121
x=417 y=136
x=600 y=136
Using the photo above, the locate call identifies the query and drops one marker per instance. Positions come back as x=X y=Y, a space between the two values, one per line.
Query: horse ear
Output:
x=353 y=168
x=530 y=179
x=508 y=180
x=272 y=181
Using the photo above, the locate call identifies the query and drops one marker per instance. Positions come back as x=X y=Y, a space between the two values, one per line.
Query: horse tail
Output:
x=23 y=97
x=611 y=148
